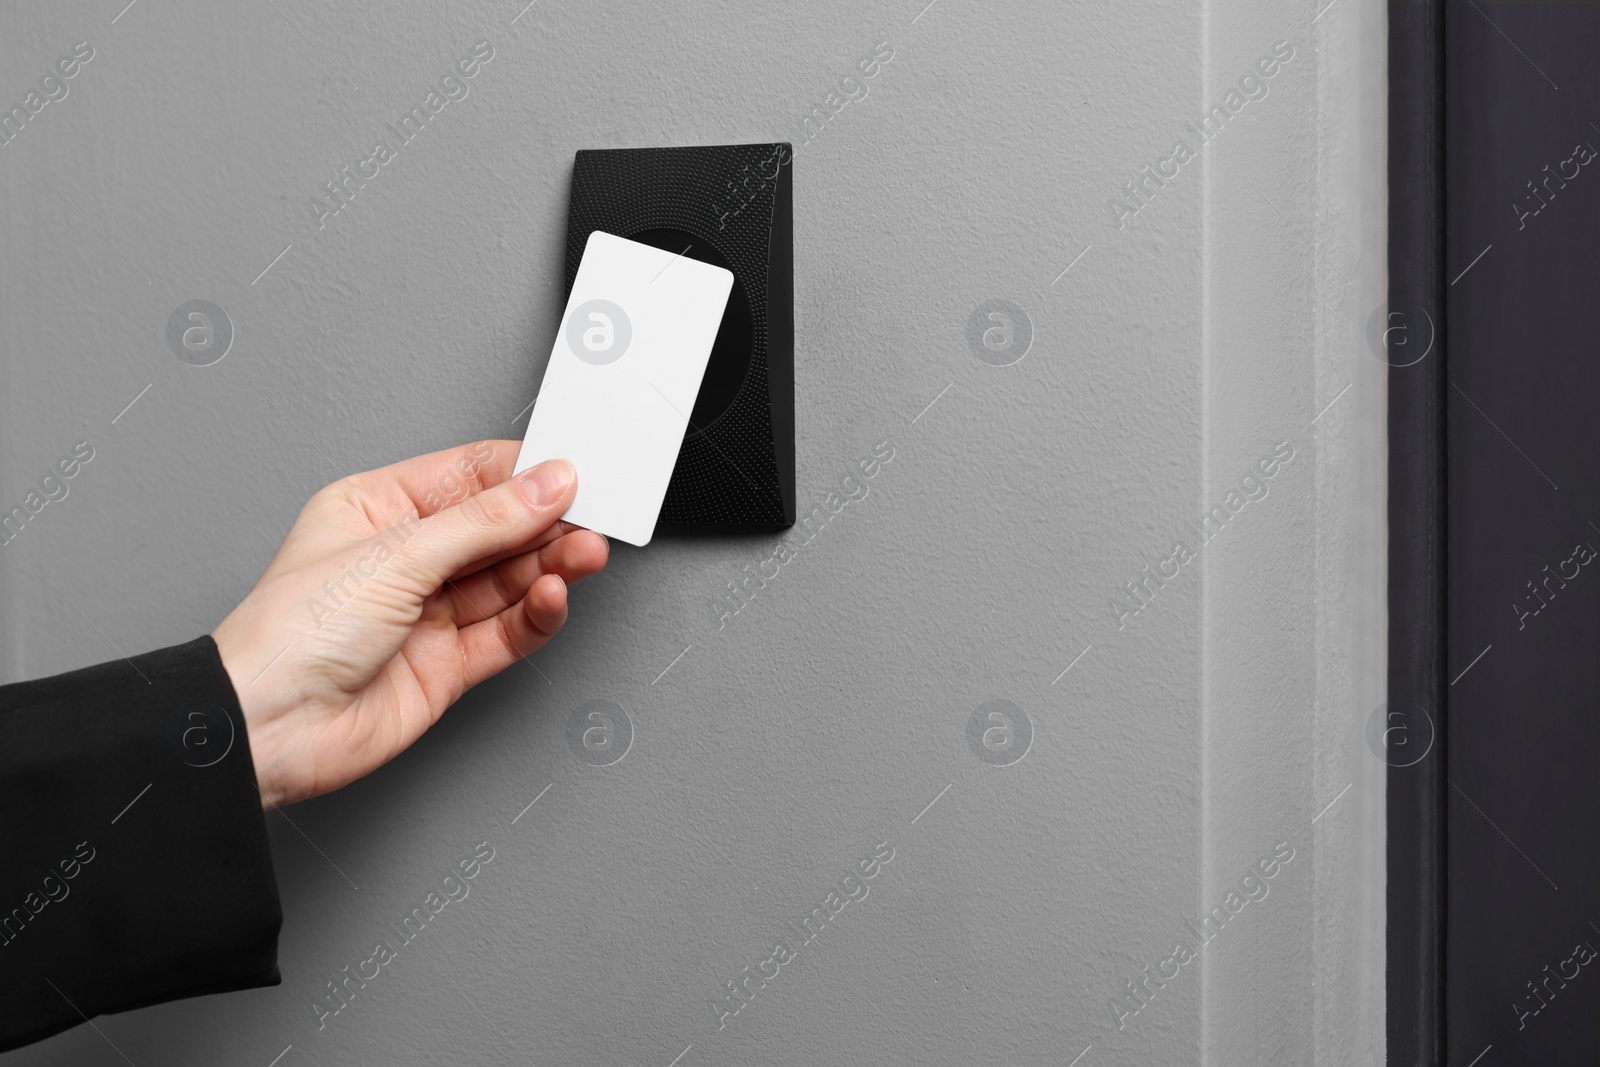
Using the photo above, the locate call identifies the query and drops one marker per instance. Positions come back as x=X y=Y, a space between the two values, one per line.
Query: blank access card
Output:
x=623 y=376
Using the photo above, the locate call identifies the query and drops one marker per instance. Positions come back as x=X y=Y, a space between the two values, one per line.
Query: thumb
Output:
x=498 y=521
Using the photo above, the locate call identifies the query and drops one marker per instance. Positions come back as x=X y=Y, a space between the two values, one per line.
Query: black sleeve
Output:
x=134 y=865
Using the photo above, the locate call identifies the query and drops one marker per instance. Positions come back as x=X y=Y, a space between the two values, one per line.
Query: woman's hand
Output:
x=394 y=592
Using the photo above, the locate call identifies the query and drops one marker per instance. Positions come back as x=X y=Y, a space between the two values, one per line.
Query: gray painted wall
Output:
x=1167 y=756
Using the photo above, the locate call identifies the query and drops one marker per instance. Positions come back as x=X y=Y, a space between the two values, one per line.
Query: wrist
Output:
x=262 y=723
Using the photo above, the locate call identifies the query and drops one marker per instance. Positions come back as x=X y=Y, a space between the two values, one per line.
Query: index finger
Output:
x=439 y=480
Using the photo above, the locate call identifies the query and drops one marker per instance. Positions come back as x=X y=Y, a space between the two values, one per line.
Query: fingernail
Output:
x=544 y=484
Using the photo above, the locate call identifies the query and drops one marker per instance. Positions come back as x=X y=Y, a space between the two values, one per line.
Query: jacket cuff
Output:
x=140 y=871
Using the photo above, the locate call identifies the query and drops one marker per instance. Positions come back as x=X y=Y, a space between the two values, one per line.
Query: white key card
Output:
x=623 y=377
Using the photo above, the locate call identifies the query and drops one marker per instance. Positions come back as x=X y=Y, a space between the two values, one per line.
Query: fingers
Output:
x=560 y=529
x=490 y=646
x=504 y=519
x=439 y=479
x=376 y=501
x=490 y=591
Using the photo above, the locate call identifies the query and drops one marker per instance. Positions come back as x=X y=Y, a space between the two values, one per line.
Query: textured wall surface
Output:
x=1172 y=351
